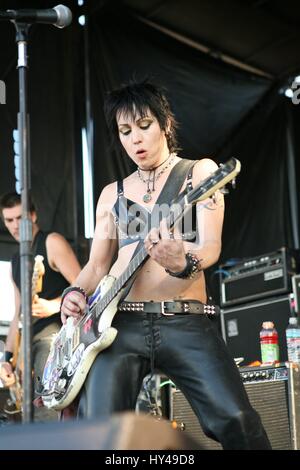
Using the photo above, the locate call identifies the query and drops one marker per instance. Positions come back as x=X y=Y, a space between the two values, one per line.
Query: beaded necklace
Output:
x=152 y=178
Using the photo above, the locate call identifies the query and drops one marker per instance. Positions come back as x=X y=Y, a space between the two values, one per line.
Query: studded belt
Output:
x=169 y=308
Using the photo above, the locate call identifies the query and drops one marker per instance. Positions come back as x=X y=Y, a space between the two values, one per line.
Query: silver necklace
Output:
x=152 y=178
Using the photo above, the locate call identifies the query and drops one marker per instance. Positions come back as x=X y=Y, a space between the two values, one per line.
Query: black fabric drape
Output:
x=219 y=115
x=50 y=94
x=258 y=217
x=208 y=97
x=221 y=110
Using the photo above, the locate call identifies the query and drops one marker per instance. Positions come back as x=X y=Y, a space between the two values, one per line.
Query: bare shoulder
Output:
x=61 y=256
x=131 y=178
x=108 y=195
x=57 y=239
x=203 y=168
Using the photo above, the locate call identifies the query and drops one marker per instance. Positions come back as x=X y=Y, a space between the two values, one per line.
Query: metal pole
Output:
x=88 y=112
x=292 y=179
x=26 y=225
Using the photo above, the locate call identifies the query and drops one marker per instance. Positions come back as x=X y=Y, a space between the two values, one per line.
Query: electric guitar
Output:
x=76 y=345
x=14 y=403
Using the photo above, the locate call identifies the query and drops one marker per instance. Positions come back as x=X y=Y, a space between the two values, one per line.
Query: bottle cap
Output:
x=268 y=325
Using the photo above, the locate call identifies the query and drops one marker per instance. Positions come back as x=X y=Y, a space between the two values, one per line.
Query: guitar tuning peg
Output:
x=224 y=190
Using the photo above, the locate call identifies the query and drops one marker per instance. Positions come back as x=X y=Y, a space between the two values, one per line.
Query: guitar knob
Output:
x=61 y=384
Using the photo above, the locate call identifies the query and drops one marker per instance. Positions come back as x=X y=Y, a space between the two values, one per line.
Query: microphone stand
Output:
x=26 y=260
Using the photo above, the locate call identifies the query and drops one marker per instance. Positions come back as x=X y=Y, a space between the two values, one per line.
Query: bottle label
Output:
x=269 y=353
x=293 y=347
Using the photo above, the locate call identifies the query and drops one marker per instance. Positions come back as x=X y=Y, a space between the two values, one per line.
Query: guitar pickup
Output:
x=75 y=339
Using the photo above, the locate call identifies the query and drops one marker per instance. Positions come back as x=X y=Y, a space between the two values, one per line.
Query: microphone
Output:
x=60 y=16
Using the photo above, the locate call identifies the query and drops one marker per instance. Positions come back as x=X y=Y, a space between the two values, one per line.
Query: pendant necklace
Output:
x=152 y=178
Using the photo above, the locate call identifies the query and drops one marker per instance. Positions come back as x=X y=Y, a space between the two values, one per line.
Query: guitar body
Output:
x=74 y=350
x=14 y=403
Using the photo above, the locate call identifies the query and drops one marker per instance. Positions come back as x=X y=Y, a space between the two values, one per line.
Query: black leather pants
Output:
x=187 y=349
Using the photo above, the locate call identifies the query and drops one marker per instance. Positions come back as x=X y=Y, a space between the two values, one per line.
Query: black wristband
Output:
x=7 y=356
x=193 y=266
x=73 y=289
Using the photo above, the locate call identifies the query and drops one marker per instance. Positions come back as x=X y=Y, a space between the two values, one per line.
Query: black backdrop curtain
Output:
x=258 y=218
x=51 y=109
x=209 y=98
x=222 y=113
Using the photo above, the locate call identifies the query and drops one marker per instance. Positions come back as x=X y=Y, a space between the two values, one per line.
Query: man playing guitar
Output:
x=61 y=268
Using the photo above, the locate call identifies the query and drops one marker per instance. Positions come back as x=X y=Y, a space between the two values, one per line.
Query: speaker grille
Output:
x=187 y=421
x=270 y=400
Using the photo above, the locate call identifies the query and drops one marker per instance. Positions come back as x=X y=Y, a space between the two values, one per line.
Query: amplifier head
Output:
x=258 y=277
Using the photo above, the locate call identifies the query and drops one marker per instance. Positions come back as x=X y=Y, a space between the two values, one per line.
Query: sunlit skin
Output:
x=144 y=141
x=146 y=144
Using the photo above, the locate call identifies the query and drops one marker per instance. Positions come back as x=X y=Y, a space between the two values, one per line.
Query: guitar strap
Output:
x=169 y=192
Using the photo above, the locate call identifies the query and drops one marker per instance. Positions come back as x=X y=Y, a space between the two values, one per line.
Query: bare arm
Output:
x=62 y=259
x=102 y=251
x=210 y=214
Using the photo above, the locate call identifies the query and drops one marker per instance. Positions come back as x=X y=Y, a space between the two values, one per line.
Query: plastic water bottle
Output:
x=269 y=343
x=293 y=340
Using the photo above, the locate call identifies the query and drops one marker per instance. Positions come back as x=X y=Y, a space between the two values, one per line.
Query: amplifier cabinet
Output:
x=257 y=278
x=274 y=392
x=241 y=326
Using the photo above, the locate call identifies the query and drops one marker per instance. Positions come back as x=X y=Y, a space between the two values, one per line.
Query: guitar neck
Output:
x=137 y=261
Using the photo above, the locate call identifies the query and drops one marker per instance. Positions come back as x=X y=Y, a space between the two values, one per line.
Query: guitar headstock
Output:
x=217 y=180
x=37 y=275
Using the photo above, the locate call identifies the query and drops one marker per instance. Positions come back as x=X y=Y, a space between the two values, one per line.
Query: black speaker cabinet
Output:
x=274 y=393
x=241 y=326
